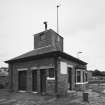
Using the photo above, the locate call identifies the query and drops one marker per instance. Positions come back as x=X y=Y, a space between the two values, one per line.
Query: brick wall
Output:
x=51 y=38
x=38 y=43
x=63 y=78
x=50 y=87
x=13 y=73
x=62 y=81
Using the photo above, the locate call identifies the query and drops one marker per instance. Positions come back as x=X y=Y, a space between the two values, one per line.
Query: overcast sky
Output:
x=81 y=23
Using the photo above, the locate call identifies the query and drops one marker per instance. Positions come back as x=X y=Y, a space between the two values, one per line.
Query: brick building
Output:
x=3 y=77
x=47 y=69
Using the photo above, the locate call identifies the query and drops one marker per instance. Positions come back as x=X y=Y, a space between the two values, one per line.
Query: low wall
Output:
x=81 y=87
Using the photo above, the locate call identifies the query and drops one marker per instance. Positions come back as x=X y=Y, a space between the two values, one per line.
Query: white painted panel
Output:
x=34 y=68
x=41 y=67
x=22 y=69
x=48 y=78
x=63 y=67
x=70 y=66
x=46 y=67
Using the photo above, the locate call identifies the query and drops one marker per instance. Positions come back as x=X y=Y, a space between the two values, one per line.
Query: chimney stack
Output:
x=45 y=25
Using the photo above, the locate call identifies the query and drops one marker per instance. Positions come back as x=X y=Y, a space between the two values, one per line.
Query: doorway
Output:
x=43 y=80
x=70 y=78
x=22 y=80
x=34 y=80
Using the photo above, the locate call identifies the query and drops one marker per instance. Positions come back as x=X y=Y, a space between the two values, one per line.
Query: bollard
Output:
x=85 y=97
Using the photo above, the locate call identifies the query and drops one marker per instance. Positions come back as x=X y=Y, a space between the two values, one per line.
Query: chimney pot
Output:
x=45 y=25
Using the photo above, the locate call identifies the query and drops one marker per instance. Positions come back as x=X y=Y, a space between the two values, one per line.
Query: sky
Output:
x=81 y=23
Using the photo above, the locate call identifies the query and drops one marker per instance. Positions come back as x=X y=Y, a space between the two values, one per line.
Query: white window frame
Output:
x=81 y=75
x=87 y=76
x=49 y=78
x=76 y=76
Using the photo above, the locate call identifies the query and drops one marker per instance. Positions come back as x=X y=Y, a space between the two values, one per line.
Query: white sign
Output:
x=63 y=67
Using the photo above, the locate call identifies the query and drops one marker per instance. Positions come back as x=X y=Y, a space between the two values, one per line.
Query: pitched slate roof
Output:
x=34 y=53
x=43 y=52
x=48 y=51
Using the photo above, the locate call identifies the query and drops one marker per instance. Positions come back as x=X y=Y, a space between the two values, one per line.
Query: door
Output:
x=70 y=78
x=43 y=80
x=22 y=80
x=34 y=80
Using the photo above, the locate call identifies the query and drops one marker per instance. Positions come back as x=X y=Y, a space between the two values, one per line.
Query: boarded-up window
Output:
x=51 y=72
x=63 y=67
x=78 y=76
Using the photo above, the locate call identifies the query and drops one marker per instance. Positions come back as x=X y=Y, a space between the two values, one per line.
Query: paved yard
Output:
x=94 y=98
x=6 y=98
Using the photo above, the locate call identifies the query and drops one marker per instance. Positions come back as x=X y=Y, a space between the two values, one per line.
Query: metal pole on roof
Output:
x=57 y=19
x=59 y=2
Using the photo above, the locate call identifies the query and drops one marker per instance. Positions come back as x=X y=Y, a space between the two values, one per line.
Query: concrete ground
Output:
x=94 y=98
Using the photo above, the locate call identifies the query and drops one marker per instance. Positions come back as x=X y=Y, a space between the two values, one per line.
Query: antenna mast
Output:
x=57 y=19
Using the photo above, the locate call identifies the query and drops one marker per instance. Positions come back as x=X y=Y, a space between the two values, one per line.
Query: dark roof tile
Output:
x=34 y=53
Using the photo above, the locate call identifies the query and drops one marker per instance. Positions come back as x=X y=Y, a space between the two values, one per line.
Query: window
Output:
x=42 y=36
x=81 y=76
x=51 y=73
x=86 y=77
x=78 y=76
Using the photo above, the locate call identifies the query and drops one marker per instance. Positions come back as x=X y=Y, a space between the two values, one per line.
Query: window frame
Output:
x=86 y=77
x=49 y=77
x=76 y=76
x=82 y=73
